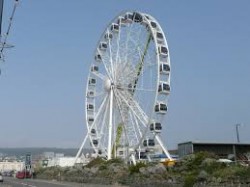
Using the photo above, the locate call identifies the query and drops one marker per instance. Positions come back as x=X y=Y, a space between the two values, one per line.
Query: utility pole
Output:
x=237 y=132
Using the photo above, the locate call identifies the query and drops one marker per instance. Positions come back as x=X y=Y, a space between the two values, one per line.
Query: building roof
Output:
x=213 y=143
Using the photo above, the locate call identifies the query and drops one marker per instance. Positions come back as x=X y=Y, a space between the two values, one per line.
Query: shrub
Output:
x=95 y=162
x=242 y=172
x=103 y=167
x=213 y=166
x=136 y=168
x=224 y=173
x=189 y=180
x=115 y=160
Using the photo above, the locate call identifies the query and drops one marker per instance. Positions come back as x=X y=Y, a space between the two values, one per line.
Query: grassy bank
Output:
x=194 y=170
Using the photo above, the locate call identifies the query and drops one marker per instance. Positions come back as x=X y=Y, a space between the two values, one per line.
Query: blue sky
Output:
x=43 y=81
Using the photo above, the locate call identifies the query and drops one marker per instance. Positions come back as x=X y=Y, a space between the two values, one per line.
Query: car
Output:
x=1 y=178
x=23 y=174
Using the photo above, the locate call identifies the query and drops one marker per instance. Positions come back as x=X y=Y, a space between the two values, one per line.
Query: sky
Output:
x=43 y=80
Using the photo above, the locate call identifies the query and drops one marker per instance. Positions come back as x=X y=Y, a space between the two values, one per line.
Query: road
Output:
x=13 y=182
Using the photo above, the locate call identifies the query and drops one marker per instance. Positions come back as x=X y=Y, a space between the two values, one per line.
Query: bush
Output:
x=224 y=173
x=103 y=167
x=242 y=172
x=213 y=166
x=95 y=162
x=136 y=168
x=115 y=160
x=189 y=180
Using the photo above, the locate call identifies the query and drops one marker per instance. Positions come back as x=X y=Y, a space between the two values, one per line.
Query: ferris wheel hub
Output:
x=107 y=84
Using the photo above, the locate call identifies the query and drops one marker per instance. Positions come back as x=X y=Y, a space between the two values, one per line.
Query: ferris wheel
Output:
x=127 y=89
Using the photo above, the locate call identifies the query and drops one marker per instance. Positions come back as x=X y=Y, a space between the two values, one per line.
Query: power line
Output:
x=3 y=39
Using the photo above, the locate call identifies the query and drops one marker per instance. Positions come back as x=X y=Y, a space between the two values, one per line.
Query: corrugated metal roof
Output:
x=213 y=143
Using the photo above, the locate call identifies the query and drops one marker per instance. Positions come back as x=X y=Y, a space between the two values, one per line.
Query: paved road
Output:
x=12 y=182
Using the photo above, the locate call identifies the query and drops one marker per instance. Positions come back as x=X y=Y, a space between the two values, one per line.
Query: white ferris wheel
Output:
x=127 y=89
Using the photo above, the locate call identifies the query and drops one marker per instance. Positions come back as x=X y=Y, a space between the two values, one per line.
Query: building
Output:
x=11 y=166
x=59 y=155
x=62 y=161
x=240 y=151
x=49 y=155
x=65 y=161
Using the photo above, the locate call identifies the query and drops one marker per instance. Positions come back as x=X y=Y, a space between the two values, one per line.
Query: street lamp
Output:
x=237 y=132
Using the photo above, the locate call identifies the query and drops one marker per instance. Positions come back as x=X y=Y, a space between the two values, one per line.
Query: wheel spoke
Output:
x=99 y=75
x=121 y=113
x=117 y=53
x=108 y=71
x=110 y=55
x=99 y=112
x=136 y=128
x=134 y=107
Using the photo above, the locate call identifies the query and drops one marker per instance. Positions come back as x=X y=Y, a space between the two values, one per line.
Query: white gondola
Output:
x=153 y=24
x=149 y=143
x=129 y=17
x=94 y=68
x=159 y=37
x=147 y=17
x=130 y=87
x=144 y=21
x=108 y=36
x=90 y=120
x=98 y=57
x=93 y=132
x=163 y=51
x=90 y=107
x=121 y=153
x=164 y=88
x=103 y=46
x=92 y=81
x=164 y=68
x=161 y=108
x=142 y=155
x=114 y=27
x=95 y=142
x=155 y=127
x=90 y=94
x=121 y=21
x=137 y=17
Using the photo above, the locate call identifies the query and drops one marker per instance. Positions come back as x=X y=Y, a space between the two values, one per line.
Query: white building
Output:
x=9 y=166
x=59 y=155
x=66 y=161
x=62 y=161
x=49 y=155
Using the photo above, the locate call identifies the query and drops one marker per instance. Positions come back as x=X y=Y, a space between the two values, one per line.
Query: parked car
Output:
x=23 y=174
x=1 y=178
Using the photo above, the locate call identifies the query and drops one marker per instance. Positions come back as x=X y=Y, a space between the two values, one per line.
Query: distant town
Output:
x=14 y=159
